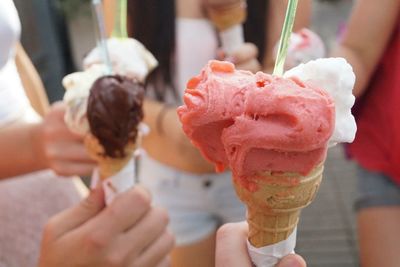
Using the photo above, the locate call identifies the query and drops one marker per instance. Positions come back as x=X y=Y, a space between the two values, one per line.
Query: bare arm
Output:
x=19 y=150
x=168 y=144
x=368 y=33
x=17 y=140
x=275 y=17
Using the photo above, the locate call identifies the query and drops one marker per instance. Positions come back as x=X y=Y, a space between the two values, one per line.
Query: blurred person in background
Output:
x=30 y=146
x=372 y=45
x=183 y=39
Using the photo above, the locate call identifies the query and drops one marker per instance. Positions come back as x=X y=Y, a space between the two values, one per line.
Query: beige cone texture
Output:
x=273 y=210
x=107 y=166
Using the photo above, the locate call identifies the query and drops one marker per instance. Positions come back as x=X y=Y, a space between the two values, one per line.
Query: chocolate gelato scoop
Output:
x=114 y=111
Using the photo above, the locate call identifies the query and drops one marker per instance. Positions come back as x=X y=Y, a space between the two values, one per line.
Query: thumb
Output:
x=79 y=214
x=292 y=260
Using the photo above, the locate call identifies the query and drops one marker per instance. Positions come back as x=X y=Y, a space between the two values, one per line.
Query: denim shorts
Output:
x=375 y=189
x=197 y=204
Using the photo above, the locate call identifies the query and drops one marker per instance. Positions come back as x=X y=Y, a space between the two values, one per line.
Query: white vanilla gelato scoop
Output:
x=128 y=58
x=78 y=86
x=336 y=76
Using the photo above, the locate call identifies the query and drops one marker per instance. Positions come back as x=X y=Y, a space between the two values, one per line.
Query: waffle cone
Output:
x=273 y=210
x=108 y=166
x=227 y=16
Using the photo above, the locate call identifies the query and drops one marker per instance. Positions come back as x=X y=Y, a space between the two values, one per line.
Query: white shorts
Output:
x=197 y=204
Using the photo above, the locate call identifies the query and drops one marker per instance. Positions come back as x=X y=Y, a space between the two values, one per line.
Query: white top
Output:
x=13 y=101
x=196 y=43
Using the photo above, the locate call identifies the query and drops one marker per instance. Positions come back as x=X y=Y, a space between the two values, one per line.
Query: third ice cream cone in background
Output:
x=273 y=210
x=226 y=13
x=228 y=17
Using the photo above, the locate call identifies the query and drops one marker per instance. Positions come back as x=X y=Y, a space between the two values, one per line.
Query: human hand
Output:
x=60 y=149
x=129 y=232
x=232 y=248
x=244 y=57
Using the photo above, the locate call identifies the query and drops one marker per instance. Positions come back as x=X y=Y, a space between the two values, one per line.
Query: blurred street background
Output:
x=326 y=234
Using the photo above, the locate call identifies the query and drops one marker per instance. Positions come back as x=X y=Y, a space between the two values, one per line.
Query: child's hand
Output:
x=129 y=232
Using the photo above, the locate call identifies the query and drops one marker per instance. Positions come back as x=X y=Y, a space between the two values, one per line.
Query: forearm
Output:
x=368 y=32
x=19 y=150
x=167 y=143
x=355 y=60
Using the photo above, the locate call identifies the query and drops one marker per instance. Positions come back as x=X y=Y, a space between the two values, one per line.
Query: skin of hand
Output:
x=59 y=148
x=128 y=233
x=232 y=248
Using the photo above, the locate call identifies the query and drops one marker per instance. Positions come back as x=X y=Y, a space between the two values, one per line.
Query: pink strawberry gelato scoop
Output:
x=256 y=122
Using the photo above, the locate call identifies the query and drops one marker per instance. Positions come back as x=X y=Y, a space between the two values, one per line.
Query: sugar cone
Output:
x=273 y=209
x=108 y=166
x=227 y=16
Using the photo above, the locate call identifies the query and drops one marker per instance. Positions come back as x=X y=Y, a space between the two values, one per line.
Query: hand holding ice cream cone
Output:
x=226 y=13
x=105 y=102
x=273 y=132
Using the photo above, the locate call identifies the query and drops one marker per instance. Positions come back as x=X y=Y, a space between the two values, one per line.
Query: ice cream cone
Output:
x=108 y=166
x=227 y=15
x=274 y=207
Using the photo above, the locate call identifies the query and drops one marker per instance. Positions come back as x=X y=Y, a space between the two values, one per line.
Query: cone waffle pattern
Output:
x=273 y=210
x=107 y=166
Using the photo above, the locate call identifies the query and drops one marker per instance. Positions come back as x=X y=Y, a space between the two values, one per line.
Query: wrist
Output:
x=37 y=143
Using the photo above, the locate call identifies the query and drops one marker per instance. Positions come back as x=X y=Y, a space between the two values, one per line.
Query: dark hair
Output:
x=152 y=22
